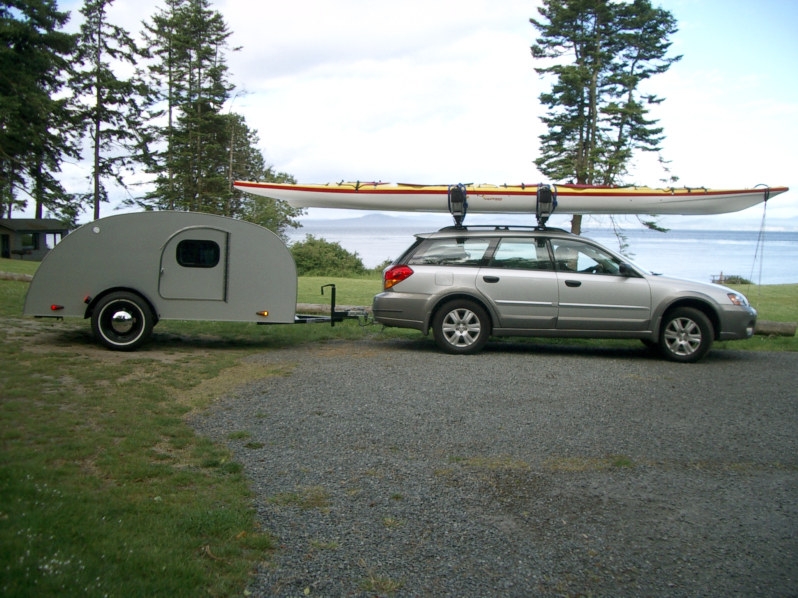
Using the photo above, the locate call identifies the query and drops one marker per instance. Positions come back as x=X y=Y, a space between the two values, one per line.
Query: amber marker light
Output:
x=264 y=313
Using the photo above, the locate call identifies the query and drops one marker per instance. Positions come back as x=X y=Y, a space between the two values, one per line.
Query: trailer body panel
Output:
x=186 y=265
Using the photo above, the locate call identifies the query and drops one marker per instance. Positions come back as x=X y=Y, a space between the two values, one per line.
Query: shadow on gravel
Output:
x=78 y=336
x=631 y=350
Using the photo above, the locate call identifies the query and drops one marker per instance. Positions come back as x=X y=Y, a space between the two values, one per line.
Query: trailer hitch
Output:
x=335 y=316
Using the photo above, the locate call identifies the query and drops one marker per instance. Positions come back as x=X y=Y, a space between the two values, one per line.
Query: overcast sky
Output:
x=444 y=91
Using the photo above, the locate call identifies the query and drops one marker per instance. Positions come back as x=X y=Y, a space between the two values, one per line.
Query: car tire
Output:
x=122 y=321
x=461 y=327
x=686 y=335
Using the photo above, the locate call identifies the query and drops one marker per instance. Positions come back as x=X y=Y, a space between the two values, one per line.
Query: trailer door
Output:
x=194 y=265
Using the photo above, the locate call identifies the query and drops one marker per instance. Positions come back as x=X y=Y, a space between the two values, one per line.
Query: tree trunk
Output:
x=576 y=224
x=768 y=328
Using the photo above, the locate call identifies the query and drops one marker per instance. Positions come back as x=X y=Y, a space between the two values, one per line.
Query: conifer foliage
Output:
x=201 y=147
x=160 y=109
x=34 y=54
x=598 y=55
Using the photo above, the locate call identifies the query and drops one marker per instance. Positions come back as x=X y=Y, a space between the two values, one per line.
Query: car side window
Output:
x=525 y=253
x=450 y=251
x=575 y=256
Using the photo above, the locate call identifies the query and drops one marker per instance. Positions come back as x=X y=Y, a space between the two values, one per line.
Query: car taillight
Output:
x=395 y=275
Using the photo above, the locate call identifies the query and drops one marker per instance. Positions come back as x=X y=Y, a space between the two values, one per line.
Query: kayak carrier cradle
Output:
x=545 y=203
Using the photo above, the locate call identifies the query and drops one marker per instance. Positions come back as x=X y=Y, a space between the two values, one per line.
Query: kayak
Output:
x=571 y=199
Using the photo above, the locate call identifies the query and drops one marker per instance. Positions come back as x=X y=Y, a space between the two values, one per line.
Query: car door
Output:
x=521 y=283
x=594 y=293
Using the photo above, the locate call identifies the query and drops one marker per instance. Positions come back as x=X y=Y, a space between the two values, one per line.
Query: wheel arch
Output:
x=696 y=303
x=92 y=304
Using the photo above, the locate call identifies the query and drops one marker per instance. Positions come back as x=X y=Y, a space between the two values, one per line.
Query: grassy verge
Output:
x=104 y=487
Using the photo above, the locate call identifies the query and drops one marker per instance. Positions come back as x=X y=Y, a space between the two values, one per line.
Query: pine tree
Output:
x=201 y=147
x=597 y=116
x=34 y=125
x=166 y=40
x=112 y=104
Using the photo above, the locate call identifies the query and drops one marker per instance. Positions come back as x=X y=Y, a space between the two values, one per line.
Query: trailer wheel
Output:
x=122 y=321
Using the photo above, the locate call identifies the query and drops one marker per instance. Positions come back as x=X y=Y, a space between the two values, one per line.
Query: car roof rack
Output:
x=545 y=203
x=501 y=227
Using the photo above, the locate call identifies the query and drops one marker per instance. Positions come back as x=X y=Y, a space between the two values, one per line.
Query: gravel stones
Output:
x=387 y=468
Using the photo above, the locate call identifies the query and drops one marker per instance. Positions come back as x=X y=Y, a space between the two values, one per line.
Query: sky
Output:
x=444 y=91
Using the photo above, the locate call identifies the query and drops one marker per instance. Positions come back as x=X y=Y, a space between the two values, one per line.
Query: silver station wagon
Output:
x=468 y=283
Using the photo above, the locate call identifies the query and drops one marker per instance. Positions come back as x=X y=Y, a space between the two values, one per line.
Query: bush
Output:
x=319 y=257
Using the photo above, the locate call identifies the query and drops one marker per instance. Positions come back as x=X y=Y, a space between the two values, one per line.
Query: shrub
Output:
x=319 y=257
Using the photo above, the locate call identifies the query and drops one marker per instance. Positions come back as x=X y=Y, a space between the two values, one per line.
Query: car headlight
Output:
x=738 y=299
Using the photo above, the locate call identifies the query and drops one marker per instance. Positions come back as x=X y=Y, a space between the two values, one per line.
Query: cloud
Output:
x=444 y=91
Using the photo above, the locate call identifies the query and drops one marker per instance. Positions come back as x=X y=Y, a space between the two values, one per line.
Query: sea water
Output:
x=767 y=257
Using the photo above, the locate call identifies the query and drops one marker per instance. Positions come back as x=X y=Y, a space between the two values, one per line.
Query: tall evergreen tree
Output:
x=189 y=41
x=597 y=116
x=201 y=148
x=34 y=122
x=165 y=37
x=112 y=104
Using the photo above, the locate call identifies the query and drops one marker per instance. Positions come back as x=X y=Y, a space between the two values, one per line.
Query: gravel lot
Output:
x=387 y=468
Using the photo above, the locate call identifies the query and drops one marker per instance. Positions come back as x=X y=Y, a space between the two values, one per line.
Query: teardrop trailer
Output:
x=129 y=271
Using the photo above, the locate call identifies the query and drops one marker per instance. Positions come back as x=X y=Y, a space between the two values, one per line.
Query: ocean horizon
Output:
x=766 y=257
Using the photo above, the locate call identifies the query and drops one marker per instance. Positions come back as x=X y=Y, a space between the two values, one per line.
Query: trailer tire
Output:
x=122 y=321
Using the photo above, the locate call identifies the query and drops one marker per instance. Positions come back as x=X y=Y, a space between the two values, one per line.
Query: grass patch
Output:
x=581 y=464
x=348 y=291
x=504 y=462
x=308 y=497
x=18 y=266
x=392 y=522
x=104 y=488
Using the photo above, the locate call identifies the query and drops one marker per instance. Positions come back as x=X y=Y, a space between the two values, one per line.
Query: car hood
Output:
x=677 y=285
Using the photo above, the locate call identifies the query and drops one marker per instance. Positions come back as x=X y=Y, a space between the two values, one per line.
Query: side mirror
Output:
x=625 y=269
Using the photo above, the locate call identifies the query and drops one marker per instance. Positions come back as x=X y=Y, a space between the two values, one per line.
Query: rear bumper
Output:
x=400 y=310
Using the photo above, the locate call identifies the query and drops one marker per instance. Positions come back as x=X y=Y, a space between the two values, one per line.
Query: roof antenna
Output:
x=546 y=203
x=458 y=206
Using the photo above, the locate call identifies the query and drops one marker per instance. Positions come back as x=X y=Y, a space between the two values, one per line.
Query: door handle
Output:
x=490 y=278
x=573 y=283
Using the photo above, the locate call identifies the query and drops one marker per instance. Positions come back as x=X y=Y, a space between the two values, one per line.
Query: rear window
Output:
x=450 y=251
x=195 y=253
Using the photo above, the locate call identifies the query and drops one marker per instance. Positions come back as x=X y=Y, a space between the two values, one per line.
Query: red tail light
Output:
x=395 y=275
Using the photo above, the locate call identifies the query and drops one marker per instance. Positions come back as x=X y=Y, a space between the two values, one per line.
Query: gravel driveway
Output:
x=387 y=468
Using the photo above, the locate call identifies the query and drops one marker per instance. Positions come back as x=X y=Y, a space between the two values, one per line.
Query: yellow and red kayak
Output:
x=571 y=199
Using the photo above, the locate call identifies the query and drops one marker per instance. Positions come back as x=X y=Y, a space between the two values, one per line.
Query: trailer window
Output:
x=193 y=253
